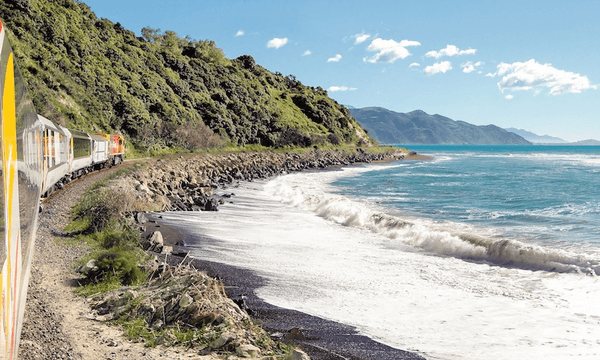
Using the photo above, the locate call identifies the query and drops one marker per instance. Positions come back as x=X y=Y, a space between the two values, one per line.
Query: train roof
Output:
x=79 y=134
x=50 y=124
x=98 y=138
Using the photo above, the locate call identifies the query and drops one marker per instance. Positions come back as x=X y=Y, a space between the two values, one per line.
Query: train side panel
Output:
x=81 y=144
x=100 y=149
x=21 y=154
x=56 y=154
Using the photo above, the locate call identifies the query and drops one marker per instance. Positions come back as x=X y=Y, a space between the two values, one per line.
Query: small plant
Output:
x=109 y=283
x=138 y=329
x=119 y=262
x=184 y=337
x=117 y=234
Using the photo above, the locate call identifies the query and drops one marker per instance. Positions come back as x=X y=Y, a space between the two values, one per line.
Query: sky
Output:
x=531 y=65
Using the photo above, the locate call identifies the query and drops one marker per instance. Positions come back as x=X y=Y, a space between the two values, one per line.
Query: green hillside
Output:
x=160 y=89
x=418 y=127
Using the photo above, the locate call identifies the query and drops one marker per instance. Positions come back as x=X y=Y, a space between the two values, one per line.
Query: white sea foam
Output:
x=444 y=239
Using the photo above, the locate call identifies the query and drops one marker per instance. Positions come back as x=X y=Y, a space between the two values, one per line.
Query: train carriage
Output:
x=21 y=142
x=99 y=151
x=81 y=146
x=56 y=152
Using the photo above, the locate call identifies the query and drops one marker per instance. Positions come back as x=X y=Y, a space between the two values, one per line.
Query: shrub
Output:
x=117 y=234
x=104 y=203
x=293 y=137
x=120 y=263
x=197 y=136
x=334 y=139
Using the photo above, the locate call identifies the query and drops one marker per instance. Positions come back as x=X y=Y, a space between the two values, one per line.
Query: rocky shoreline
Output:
x=188 y=183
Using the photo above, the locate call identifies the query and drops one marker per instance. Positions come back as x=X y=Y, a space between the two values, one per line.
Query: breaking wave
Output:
x=445 y=239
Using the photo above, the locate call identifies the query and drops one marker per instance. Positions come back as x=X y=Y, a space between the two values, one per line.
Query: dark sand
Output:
x=320 y=339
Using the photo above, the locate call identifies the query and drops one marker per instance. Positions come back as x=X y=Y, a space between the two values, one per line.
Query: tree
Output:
x=151 y=35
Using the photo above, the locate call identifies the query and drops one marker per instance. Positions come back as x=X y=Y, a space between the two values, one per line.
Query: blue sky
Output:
x=526 y=64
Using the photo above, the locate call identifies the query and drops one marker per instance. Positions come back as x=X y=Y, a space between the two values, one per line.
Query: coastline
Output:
x=319 y=338
x=188 y=183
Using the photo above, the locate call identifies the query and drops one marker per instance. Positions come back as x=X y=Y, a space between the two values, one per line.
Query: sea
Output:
x=482 y=252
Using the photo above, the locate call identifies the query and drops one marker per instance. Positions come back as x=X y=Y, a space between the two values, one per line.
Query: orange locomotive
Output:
x=116 y=148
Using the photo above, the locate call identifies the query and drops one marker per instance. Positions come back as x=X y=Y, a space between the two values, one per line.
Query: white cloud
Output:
x=437 y=68
x=277 y=43
x=306 y=53
x=340 y=88
x=240 y=33
x=509 y=97
x=531 y=75
x=389 y=50
x=450 y=50
x=336 y=58
x=415 y=64
x=360 y=38
x=470 y=66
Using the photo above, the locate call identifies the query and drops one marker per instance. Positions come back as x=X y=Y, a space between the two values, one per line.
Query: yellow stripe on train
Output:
x=10 y=270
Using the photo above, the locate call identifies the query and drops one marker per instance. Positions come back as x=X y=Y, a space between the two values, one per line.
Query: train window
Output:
x=63 y=149
x=81 y=147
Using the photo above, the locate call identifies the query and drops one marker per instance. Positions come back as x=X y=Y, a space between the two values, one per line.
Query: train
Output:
x=70 y=154
x=37 y=156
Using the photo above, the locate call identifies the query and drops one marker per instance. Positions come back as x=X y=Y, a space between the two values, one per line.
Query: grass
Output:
x=68 y=241
x=301 y=150
x=98 y=220
x=93 y=288
x=137 y=329
x=78 y=225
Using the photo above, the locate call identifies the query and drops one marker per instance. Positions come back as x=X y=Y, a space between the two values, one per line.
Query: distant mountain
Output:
x=418 y=127
x=535 y=138
x=586 y=142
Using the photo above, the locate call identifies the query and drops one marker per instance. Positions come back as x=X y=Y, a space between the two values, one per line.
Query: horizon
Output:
x=524 y=65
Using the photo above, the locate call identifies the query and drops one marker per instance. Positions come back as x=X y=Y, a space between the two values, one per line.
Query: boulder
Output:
x=295 y=334
x=211 y=205
x=222 y=340
x=141 y=218
x=156 y=242
x=143 y=188
x=89 y=268
x=297 y=354
x=248 y=351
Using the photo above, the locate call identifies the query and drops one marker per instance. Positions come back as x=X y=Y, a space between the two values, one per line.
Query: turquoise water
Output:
x=543 y=194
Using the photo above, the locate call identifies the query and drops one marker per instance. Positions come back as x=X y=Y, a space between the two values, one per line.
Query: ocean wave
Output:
x=442 y=239
x=550 y=213
x=566 y=158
